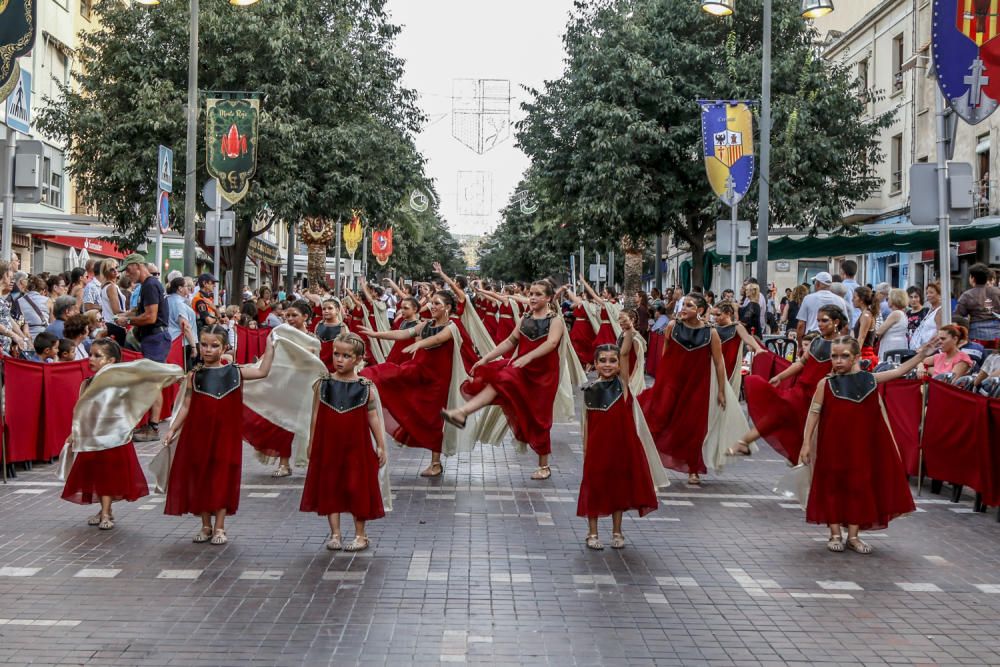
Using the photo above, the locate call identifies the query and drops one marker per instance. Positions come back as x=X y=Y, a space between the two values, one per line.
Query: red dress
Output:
x=262 y=314
x=616 y=474
x=731 y=345
x=205 y=474
x=858 y=476
x=676 y=406
x=488 y=314
x=606 y=332
x=414 y=392
x=779 y=414
x=469 y=354
x=327 y=333
x=582 y=336
x=343 y=466
x=505 y=322
x=527 y=394
x=355 y=321
x=111 y=472
x=396 y=354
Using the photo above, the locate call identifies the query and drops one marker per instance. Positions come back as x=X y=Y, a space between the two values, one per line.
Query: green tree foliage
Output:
x=336 y=124
x=616 y=145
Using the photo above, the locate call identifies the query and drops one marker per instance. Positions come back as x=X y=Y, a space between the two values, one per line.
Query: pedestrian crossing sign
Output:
x=165 y=169
x=19 y=104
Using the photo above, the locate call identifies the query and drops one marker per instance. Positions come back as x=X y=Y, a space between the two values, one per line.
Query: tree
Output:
x=616 y=141
x=336 y=127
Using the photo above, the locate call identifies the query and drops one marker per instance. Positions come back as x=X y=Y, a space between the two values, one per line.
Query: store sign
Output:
x=176 y=253
x=967 y=247
x=927 y=256
x=262 y=251
x=783 y=266
x=92 y=246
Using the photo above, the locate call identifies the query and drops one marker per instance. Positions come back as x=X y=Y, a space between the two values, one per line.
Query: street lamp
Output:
x=719 y=7
x=810 y=9
x=191 y=154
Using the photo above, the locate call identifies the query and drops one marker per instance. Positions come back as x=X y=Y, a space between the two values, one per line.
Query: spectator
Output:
x=18 y=285
x=751 y=316
x=661 y=321
x=67 y=350
x=76 y=330
x=64 y=308
x=729 y=295
x=848 y=271
x=916 y=311
x=248 y=312
x=882 y=298
x=892 y=333
x=981 y=304
x=263 y=304
x=112 y=300
x=77 y=281
x=642 y=313
x=989 y=369
x=791 y=314
x=840 y=290
x=951 y=359
x=822 y=296
x=203 y=302
x=276 y=316
x=974 y=349
x=56 y=287
x=931 y=322
x=46 y=348
x=179 y=310
x=35 y=306
x=12 y=339
x=92 y=288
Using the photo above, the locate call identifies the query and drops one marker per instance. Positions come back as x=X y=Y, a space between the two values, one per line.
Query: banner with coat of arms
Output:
x=727 y=138
x=354 y=231
x=231 y=128
x=18 y=19
x=382 y=245
x=967 y=56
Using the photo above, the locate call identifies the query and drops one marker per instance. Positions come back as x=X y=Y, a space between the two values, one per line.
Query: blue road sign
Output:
x=19 y=104
x=165 y=169
x=163 y=210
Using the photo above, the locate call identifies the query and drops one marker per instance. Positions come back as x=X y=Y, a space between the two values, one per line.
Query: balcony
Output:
x=986 y=198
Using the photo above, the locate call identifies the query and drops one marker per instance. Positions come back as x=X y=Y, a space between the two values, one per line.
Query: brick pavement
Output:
x=485 y=566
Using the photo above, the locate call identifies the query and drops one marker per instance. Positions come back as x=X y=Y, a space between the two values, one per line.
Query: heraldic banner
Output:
x=727 y=138
x=967 y=56
x=354 y=231
x=17 y=37
x=382 y=245
x=231 y=144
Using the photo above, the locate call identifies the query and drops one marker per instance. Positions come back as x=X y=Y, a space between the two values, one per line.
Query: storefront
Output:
x=55 y=254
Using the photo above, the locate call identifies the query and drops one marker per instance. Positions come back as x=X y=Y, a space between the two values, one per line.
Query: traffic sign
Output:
x=223 y=229
x=209 y=196
x=724 y=237
x=163 y=211
x=165 y=169
x=598 y=273
x=19 y=104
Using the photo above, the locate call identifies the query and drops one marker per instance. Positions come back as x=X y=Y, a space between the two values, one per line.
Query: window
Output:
x=896 y=165
x=863 y=79
x=52 y=180
x=897 y=63
x=85 y=6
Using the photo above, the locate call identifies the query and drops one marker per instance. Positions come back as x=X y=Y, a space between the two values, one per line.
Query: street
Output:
x=484 y=566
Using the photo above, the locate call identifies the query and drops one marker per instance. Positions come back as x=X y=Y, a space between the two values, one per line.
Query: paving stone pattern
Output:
x=485 y=566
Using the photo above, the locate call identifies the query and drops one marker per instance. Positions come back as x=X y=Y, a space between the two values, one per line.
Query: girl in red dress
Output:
x=678 y=405
x=606 y=333
x=583 y=333
x=632 y=347
x=206 y=468
x=735 y=340
x=508 y=312
x=408 y=318
x=779 y=413
x=618 y=475
x=328 y=330
x=858 y=479
x=343 y=473
x=469 y=353
x=415 y=391
x=108 y=474
x=487 y=307
x=524 y=387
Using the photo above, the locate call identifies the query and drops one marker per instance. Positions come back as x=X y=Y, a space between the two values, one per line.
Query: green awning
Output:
x=786 y=247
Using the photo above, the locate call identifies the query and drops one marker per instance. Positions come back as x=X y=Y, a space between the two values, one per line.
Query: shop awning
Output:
x=787 y=247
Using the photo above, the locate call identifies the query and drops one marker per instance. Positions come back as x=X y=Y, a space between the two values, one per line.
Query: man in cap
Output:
x=149 y=320
x=821 y=296
x=203 y=305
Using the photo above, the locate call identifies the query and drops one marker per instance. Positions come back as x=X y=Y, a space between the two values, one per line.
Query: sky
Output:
x=447 y=40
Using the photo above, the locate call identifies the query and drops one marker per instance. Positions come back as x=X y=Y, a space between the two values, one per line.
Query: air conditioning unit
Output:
x=994 y=251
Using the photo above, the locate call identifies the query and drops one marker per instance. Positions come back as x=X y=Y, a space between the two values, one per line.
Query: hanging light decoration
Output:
x=719 y=7
x=813 y=9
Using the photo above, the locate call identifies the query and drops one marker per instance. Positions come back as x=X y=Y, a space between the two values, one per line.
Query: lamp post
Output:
x=811 y=9
x=191 y=152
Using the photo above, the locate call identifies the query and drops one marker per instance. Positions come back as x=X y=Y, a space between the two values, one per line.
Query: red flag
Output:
x=382 y=245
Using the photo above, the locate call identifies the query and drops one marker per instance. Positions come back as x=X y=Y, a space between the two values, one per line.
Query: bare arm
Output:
x=590 y=290
x=312 y=422
x=377 y=428
x=571 y=295
x=394 y=334
x=747 y=339
x=181 y=416
x=261 y=371
x=812 y=421
x=907 y=365
x=459 y=292
x=864 y=326
x=627 y=344
x=506 y=346
x=789 y=372
x=720 y=369
x=439 y=338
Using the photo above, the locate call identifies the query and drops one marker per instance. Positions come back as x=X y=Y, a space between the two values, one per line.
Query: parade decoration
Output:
x=17 y=37
x=231 y=144
x=727 y=138
x=382 y=245
x=354 y=231
x=480 y=113
x=967 y=56
x=420 y=202
x=317 y=233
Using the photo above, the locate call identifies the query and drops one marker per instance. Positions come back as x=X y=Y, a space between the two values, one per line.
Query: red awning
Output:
x=92 y=246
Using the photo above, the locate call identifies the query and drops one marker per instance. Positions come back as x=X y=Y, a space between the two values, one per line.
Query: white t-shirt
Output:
x=813 y=302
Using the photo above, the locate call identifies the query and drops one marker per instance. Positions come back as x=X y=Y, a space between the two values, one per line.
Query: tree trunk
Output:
x=317 y=264
x=633 y=265
x=698 y=264
x=235 y=258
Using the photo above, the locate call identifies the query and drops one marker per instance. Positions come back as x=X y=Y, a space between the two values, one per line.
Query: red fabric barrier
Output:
x=250 y=344
x=24 y=409
x=176 y=357
x=956 y=439
x=993 y=408
x=654 y=352
x=62 y=388
x=903 y=402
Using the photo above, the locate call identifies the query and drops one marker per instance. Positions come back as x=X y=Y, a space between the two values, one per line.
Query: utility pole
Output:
x=191 y=150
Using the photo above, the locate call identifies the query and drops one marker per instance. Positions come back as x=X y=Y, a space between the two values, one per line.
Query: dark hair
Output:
x=303 y=307
x=913 y=290
x=109 y=347
x=547 y=287
x=44 y=341
x=76 y=326
x=216 y=330
x=632 y=315
x=76 y=275
x=959 y=332
x=54 y=280
x=835 y=313
x=849 y=267
x=461 y=281
x=606 y=347
x=410 y=300
x=727 y=308
x=699 y=301
x=980 y=273
x=867 y=298
x=249 y=308
x=849 y=341
x=36 y=284
x=354 y=340
x=66 y=346
x=175 y=285
x=660 y=310
x=448 y=298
